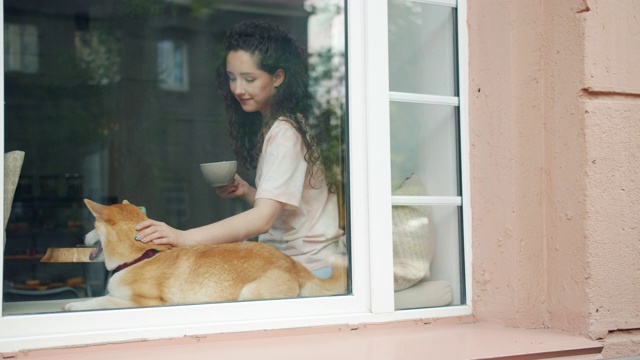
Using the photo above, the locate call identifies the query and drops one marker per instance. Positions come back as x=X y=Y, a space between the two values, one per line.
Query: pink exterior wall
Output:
x=507 y=161
x=612 y=127
x=555 y=158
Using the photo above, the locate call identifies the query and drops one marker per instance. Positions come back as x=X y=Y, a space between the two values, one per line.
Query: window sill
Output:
x=446 y=338
x=426 y=294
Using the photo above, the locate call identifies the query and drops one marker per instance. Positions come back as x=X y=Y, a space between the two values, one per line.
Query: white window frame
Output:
x=372 y=298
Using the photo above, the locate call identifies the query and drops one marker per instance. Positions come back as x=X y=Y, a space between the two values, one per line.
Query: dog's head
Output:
x=114 y=233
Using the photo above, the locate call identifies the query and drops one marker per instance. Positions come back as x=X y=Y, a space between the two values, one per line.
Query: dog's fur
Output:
x=195 y=274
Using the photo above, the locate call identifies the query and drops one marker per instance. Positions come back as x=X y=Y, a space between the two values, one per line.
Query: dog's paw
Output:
x=74 y=306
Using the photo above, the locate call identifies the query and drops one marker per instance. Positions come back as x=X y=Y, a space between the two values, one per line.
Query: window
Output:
x=127 y=138
x=21 y=48
x=425 y=147
x=173 y=69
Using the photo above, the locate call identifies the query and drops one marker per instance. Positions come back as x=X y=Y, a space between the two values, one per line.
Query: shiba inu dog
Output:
x=152 y=275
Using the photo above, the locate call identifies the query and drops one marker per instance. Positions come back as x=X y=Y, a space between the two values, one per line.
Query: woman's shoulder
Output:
x=283 y=124
x=282 y=130
x=290 y=119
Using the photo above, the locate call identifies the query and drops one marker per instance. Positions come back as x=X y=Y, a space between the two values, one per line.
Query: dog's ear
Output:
x=102 y=213
x=96 y=209
x=126 y=202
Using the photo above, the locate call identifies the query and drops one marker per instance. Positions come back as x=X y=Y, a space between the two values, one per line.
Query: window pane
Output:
x=425 y=157
x=12 y=45
x=427 y=260
x=424 y=142
x=130 y=139
x=21 y=48
x=421 y=48
x=164 y=62
x=30 y=49
x=172 y=65
x=178 y=65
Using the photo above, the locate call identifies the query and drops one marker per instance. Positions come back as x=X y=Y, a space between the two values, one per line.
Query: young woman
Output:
x=265 y=85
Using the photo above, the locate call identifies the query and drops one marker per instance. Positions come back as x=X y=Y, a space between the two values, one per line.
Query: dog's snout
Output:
x=91 y=238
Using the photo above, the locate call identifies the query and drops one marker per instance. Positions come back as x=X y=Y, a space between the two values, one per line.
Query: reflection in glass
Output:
x=21 y=48
x=172 y=65
x=86 y=99
x=98 y=54
x=424 y=142
x=421 y=48
x=425 y=156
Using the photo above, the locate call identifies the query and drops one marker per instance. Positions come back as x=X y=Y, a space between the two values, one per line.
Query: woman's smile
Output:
x=251 y=86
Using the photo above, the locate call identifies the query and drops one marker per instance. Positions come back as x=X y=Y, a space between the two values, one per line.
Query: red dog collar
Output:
x=145 y=255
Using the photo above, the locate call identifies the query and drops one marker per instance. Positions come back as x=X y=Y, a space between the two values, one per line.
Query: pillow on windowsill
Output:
x=12 y=166
x=413 y=237
x=424 y=294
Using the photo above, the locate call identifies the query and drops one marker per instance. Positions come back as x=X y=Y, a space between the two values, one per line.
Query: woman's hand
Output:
x=160 y=233
x=237 y=188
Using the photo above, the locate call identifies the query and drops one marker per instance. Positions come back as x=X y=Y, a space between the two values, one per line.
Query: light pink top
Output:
x=307 y=228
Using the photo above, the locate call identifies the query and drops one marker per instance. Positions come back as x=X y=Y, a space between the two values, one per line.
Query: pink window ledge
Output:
x=458 y=338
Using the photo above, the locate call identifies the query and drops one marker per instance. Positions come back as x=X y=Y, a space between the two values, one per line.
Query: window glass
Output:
x=422 y=48
x=425 y=156
x=96 y=122
x=424 y=141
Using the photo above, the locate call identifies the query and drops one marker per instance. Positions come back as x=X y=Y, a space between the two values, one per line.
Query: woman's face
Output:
x=252 y=87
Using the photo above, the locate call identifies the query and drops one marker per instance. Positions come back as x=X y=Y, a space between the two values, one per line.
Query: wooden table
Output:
x=67 y=255
x=70 y=255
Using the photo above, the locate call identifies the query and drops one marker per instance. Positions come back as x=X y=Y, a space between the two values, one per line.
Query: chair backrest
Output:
x=12 y=166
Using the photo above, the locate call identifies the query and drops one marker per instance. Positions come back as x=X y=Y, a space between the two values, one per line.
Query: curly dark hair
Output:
x=273 y=49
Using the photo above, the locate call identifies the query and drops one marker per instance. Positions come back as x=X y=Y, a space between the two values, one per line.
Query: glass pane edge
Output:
x=424 y=98
x=450 y=3
x=426 y=200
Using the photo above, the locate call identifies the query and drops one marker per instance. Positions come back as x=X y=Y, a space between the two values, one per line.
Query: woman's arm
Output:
x=250 y=223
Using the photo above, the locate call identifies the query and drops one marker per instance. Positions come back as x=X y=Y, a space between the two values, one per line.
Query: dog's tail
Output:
x=334 y=285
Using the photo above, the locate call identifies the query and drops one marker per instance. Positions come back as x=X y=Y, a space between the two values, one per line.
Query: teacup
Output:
x=219 y=173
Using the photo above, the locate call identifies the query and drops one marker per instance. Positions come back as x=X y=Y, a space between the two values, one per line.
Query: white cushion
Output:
x=12 y=166
x=413 y=238
x=424 y=294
